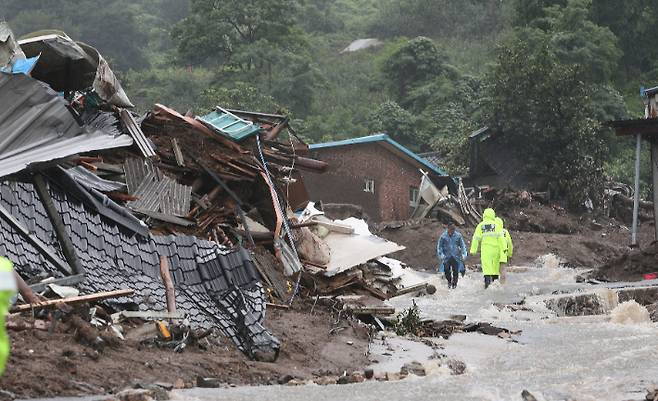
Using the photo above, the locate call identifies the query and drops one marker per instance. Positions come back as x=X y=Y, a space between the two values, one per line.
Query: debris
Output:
x=456 y=367
x=168 y=284
x=414 y=367
x=208 y=382
x=527 y=396
x=73 y=300
x=134 y=394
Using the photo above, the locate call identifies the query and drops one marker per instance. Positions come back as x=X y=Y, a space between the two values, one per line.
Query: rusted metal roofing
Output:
x=36 y=126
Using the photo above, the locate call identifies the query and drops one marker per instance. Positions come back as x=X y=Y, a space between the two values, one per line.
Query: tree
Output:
x=543 y=110
x=575 y=38
x=413 y=64
x=395 y=121
x=439 y=18
x=222 y=31
x=633 y=22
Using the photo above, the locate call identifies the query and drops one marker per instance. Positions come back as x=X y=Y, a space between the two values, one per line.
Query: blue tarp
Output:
x=22 y=66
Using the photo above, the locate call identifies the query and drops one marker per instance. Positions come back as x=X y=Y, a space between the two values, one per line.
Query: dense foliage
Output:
x=547 y=73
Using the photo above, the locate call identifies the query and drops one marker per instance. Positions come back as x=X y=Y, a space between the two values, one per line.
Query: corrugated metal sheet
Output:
x=36 y=126
x=162 y=195
x=137 y=134
x=136 y=170
x=228 y=124
x=91 y=180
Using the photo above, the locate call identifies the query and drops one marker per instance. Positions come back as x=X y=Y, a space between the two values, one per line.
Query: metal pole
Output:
x=636 y=195
x=654 y=177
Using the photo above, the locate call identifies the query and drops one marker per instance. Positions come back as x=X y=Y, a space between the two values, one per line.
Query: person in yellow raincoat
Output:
x=488 y=236
x=509 y=251
x=7 y=291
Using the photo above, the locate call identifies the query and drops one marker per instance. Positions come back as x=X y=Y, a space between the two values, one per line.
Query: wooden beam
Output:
x=336 y=227
x=58 y=224
x=74 y=300
x=147 y=315
x=66 y=281
x=170 y=294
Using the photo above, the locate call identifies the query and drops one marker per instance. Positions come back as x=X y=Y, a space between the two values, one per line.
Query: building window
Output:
x=369 y=185
x=413 y=196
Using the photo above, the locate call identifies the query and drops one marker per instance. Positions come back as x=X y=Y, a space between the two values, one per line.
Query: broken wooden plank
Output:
x=413 y=288
x=147 y=315
x=65 y=281
x=170 y=294
x=276 y=306
x=58 y=224
x=178 y=153
x=74 y=300
x=336 y=227
x=370 y=310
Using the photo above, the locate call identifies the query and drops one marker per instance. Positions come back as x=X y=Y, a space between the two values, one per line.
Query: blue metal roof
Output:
x=229 y=125
x=380 y=138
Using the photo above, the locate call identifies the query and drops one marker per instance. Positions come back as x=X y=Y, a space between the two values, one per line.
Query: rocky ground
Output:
x=579 y=240
x=47 y=365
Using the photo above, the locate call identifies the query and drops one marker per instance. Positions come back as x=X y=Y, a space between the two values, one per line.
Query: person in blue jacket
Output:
x=451 y=251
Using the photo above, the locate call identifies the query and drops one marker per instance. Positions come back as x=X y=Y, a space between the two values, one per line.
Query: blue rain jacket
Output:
x=451 y=246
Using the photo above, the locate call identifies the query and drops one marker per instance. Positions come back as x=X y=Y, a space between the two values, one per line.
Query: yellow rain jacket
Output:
x=493 y=247
x=7 y=291
x=508 y=238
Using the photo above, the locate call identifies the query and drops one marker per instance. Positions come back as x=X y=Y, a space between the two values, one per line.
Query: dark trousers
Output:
x=451 y=270
x=488 y=279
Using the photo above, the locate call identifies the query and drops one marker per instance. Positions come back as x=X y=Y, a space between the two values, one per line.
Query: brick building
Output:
x=374 y=172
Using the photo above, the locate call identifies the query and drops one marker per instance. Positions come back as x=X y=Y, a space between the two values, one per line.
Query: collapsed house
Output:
x=164 y=215
x=94 y=196
x=492 y=163
x=377 y=173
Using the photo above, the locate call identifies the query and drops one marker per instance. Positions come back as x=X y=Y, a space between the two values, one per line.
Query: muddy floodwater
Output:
x=556 y=357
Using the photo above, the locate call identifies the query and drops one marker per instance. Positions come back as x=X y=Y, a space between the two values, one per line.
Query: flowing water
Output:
x=556 y=357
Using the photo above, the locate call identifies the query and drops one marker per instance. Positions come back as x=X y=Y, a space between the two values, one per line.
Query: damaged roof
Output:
x=215 y=287
x=228 y=124
x=37 y=126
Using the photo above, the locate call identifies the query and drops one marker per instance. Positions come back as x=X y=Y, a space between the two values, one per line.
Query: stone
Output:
x=430 y=289
x=414 y=367
x=357 y=377
x=325 y=380
x=295 y=382
x=135 y=394
x=285 y=379
x=343 y=380
x=527 y=396
x=158 y=392
x=208 y=382
x=456 y=367
x=369 y=373
x=179 y=384
x=504 y=334
x=165 y=385
x=392 y=376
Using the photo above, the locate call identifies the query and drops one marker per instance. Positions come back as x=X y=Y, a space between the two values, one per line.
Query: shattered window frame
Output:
x=369 y=185
x=414 y=196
